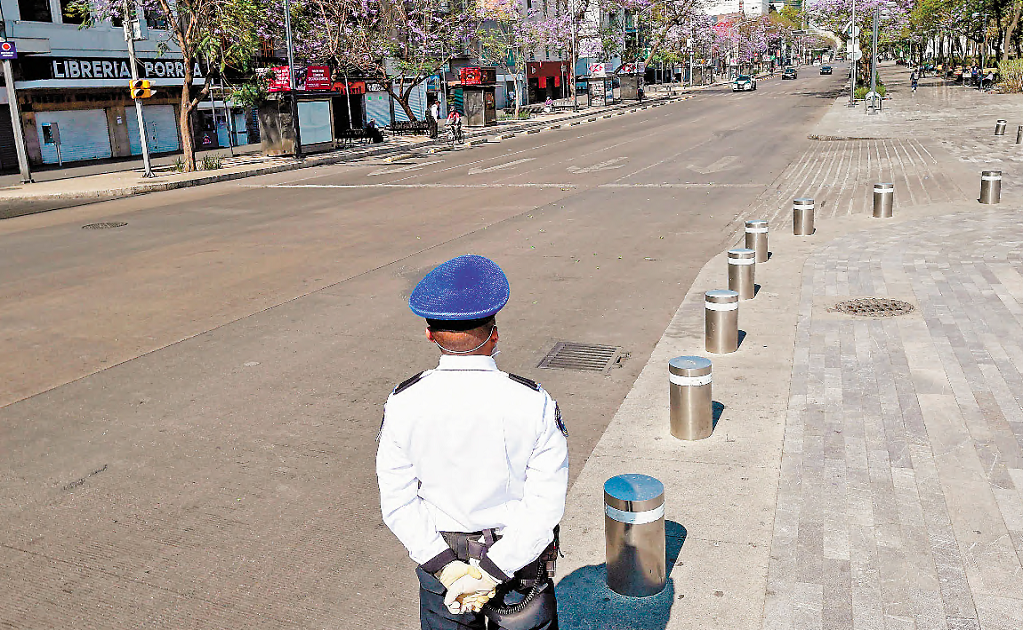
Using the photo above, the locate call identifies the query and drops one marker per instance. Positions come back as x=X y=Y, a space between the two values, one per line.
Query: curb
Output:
x=28 y=204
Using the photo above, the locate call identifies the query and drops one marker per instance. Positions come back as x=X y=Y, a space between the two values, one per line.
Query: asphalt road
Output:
x=190 y=401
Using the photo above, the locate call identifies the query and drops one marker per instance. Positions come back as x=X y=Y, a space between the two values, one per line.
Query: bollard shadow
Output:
x=770 y=255
x=741 y=337
x=586 y=603
x=718 y=411
x=756 y=289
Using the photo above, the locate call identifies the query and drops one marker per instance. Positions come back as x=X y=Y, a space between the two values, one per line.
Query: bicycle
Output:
x=455 y=134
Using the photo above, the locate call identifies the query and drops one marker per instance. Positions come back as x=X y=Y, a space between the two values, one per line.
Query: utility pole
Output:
x=854 y=34
x=15 y=109
x=872 y=108
x=130 y=22
x=291 y=79
x=575 y=59
x=983 y=53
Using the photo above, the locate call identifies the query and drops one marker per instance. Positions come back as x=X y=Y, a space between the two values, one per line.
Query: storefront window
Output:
x=156 y=20
x=35 y=10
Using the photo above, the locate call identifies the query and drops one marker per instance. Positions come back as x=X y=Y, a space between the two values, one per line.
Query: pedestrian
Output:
x=914 y=79
x=374 y=131
x=473 y=465
x=434 y=117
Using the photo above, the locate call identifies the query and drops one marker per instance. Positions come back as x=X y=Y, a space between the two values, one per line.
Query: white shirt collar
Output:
x=466 y=362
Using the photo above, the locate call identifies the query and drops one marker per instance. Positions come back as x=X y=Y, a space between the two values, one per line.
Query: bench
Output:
x=418 y=127
x=349 y=136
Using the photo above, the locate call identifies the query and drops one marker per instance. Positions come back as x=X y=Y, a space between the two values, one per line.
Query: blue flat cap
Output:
x=463 y=288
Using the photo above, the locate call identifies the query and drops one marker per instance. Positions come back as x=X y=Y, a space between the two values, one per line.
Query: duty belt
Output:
x=468 y=545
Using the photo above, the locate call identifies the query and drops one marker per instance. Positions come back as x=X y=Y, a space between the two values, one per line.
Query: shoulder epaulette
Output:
x=402 y=386
x=524 y=381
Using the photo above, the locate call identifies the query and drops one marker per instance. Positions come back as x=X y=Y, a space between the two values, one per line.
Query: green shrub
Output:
x=210 y=162
x=1011 y=73
x=861 y=92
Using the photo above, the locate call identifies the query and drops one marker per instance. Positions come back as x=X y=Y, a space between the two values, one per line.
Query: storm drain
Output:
x=568 y=355
x=104 y=226
x=873 y=307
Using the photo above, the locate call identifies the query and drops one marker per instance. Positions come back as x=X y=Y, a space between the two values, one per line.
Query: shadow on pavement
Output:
x=586 y=603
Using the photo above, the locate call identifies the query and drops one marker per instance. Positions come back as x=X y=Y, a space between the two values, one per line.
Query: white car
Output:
x=744 y=82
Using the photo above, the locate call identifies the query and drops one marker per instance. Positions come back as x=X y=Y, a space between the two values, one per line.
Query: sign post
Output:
x=9 y=51
x=132 y=31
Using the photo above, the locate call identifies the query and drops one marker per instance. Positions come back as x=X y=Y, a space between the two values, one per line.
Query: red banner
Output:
x=354 y=87
x=280 y=81
x=317 y=79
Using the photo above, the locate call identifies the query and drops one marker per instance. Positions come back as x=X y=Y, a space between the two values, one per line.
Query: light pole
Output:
x=15 y=110
x=575 y=60
x=872 y=106
x=983 y=50
x=854 y=34
x=291 y=79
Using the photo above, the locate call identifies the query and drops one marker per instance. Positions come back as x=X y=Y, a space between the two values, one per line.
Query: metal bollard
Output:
x=741 y=272
x=802 y=217
x=634 y=535
x=990 y=186
x=1000 y=127
x=691 y=398
x=884 y=198
x=756 y=238
x=721 y=321
x=1019 y=135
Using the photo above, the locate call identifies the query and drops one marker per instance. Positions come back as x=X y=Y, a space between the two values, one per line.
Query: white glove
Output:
x=451 y=572
x=471 y=591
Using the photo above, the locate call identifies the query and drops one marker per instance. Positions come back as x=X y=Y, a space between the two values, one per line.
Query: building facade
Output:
x=72 y=85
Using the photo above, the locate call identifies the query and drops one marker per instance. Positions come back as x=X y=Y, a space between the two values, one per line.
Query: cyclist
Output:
x=455 y=125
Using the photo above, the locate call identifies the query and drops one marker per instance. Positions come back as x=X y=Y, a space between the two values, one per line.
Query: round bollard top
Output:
x=721 y=296
x=883 y=187
x=690 y=366
x=991 y=174
x=756 y=226
x=741 y=255
x=802 y=202
x=633 y=493
x=1000 y=120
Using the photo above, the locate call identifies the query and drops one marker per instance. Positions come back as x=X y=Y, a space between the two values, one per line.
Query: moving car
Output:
x=789 y=73
x=744 y=82
x=825 y=69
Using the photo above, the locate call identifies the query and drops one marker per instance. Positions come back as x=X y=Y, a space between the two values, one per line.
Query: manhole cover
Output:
x=104 y=226
x=873 y=307
x=567 y=355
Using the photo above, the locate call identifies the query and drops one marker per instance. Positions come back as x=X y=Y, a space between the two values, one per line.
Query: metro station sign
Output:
x=8 y=51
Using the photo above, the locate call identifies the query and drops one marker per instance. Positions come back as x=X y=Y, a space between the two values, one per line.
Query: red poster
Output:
x=317 y=79
x=354 y=87
x=280 y=81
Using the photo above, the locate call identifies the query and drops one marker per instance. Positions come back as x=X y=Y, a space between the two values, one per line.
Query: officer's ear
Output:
x=429 y=335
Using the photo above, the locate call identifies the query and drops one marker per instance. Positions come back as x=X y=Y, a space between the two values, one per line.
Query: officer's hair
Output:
x=459 y=336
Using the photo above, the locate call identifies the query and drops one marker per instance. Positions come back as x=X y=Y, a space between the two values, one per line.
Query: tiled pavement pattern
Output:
x=901 y=495
x=840 y=176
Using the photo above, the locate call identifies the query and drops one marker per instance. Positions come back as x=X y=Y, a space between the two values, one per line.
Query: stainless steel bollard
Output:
x=691 y=397
x=1019 y=135
x=1000 y=127
x=802 y=217
x=756 y=238
x=721 y=321
x=741 y=272
x=884 y=198
x=634 y=535
x=990 y=186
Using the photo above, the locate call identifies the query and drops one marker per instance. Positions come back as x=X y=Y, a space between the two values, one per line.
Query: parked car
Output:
x=826 y=69
x=744 y=82
x=789 y=73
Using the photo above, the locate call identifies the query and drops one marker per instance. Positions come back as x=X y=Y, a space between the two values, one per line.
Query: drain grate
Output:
x=873 y=307
x=568 y=355
x=104 y=226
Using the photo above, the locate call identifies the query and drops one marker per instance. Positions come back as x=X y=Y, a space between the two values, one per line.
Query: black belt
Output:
x=468 y=545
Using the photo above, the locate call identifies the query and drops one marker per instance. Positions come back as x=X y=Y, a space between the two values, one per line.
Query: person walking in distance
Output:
x=472 y=465
x=913 y=80
x=434 y=118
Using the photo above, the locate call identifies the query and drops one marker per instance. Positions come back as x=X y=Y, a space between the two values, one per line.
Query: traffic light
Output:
x=140 y=89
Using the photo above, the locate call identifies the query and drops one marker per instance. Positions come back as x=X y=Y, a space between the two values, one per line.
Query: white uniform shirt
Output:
x=468 y=448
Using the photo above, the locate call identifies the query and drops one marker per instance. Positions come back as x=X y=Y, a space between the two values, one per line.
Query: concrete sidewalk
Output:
x=864 y=472
x=21 y=199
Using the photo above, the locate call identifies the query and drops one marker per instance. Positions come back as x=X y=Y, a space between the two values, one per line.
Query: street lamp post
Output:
x=872 y=106
x=853 y=38
x=15 y=110
x=291 y=79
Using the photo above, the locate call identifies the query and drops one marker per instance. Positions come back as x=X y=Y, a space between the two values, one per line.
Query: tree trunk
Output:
x=402 y=99
x=1011 y=29
x=185 y=117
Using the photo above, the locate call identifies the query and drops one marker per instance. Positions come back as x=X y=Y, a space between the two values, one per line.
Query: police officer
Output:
x=473 y=465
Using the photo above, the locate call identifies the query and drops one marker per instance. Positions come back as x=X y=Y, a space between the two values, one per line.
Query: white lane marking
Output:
x=606 y=165
x=723 y=164
x=491 y=169
x=684 y=185
x=490 y=185
x=401 y=169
